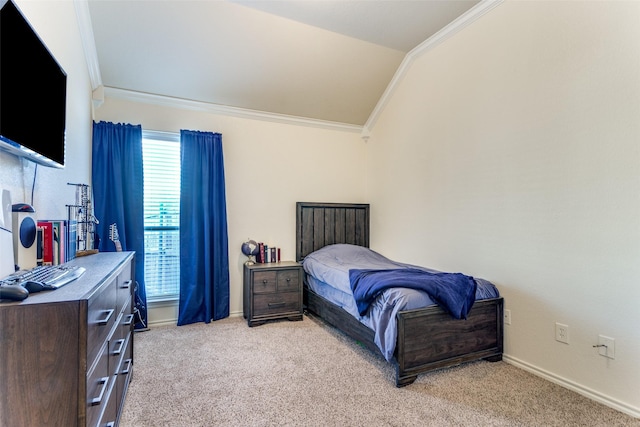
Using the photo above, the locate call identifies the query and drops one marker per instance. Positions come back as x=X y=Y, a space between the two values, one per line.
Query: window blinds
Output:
x=161 y=160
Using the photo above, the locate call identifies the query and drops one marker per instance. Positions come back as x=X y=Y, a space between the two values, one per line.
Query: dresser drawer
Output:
x=126 y=323
x=282 y=302
x=124 y=370
x=101 y=316
x=99 y=382
x=124 y=289
x=110 y=413
x=264 y=282
x=117 y=348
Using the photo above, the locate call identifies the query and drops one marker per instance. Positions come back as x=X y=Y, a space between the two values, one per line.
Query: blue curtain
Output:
x=204 y=258
x=118 y=197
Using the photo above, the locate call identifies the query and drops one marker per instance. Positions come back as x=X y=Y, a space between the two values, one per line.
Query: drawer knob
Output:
x=97 y=400
x=126 y=370
x=120 y=344
x=128 y=320
x=108 y=315
x=265 y=281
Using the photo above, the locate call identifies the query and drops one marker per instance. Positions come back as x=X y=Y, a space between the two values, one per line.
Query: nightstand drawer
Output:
x=288 y=280
x=283 y=302
x=264 y=281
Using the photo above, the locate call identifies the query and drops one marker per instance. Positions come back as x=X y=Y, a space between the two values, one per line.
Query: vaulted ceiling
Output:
x=326 y=60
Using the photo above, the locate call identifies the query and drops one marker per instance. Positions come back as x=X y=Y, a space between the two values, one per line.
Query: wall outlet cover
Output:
x=562 y=333
x=507 y=317
x=606 y=346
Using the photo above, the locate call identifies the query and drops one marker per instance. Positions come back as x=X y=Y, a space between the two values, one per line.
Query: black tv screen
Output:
x=33 y=92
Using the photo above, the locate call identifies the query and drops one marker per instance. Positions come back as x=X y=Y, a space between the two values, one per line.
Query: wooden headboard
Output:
x=322 y=224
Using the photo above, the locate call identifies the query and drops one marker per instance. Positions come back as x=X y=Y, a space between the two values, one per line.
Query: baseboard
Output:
x=578 y=388
x=166 y=314
x=165 y=322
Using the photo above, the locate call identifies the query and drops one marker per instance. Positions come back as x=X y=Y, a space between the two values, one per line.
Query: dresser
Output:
x=272 y=291
x=66 y=356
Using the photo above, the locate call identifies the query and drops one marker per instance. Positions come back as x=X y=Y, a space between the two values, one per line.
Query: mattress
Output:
x=328 y=276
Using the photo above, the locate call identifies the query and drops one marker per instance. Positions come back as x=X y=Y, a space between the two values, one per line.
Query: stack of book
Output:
x=56 y=240
x=267 y=254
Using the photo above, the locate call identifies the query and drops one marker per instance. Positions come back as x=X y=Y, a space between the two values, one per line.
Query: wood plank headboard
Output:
x=322 y=224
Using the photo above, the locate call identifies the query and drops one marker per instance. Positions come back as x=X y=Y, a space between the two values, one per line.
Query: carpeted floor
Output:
x=307 y=374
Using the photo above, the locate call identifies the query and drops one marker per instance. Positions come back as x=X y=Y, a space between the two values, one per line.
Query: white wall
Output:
x=511 y=152
x=268 y=168
x=56 y=24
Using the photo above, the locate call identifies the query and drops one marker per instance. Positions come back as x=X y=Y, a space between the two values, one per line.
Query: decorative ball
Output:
x=249 y=248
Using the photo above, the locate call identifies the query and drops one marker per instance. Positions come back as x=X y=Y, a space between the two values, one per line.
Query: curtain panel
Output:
x=118 y=197
x=204 y=258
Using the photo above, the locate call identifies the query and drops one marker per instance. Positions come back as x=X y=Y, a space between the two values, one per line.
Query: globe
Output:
x=250 y=249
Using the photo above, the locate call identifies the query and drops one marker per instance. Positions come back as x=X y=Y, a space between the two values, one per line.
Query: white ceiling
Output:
x=318 y=59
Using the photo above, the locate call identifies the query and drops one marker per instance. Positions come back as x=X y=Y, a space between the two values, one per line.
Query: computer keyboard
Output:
x=52 y=276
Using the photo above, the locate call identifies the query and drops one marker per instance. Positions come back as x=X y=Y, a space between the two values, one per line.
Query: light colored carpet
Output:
x=308 y=374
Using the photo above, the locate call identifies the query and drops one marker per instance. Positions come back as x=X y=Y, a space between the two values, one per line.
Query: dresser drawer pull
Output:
x=104 y=321
x=120 y=344
x=97 y=400
x=127 y=284
x=126 y=370
x=265 y=281
x=128 y=320
x=276 y=304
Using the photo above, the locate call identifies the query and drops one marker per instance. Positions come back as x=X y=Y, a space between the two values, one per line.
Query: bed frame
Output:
x=428 y=338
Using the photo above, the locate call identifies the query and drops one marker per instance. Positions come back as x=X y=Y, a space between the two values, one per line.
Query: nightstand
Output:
x=272 y=291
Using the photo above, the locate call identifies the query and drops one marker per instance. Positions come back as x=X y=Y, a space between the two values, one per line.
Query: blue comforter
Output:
x=328 y=276
x=454 y=292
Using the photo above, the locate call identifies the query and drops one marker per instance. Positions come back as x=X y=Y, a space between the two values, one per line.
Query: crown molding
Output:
x=458 y=24
x=244 y=113
x=88 y=42
x=91 y=55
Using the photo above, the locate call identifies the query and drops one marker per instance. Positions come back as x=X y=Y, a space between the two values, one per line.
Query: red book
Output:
x=47 y=242
x=260 y=257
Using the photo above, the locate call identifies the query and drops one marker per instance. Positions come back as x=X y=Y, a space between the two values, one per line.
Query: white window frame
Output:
x=171 y=137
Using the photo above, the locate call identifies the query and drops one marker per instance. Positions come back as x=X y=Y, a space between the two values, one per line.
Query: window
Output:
x=161 y=163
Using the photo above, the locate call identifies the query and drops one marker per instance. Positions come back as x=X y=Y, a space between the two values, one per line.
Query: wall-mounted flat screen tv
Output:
x=33 y=92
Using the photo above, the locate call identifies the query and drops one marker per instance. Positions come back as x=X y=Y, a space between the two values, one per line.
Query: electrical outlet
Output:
x=507 y=317
x=562 y=333
x=607 y=346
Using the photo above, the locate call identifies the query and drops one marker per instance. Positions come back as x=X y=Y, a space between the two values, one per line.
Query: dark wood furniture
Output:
x=428 y=338
x=272 y=291
x=66 y=356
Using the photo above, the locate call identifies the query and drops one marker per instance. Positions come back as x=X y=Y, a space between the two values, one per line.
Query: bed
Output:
x=426 y=338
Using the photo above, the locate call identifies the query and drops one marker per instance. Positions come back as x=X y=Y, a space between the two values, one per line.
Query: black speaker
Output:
x=24 y=236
